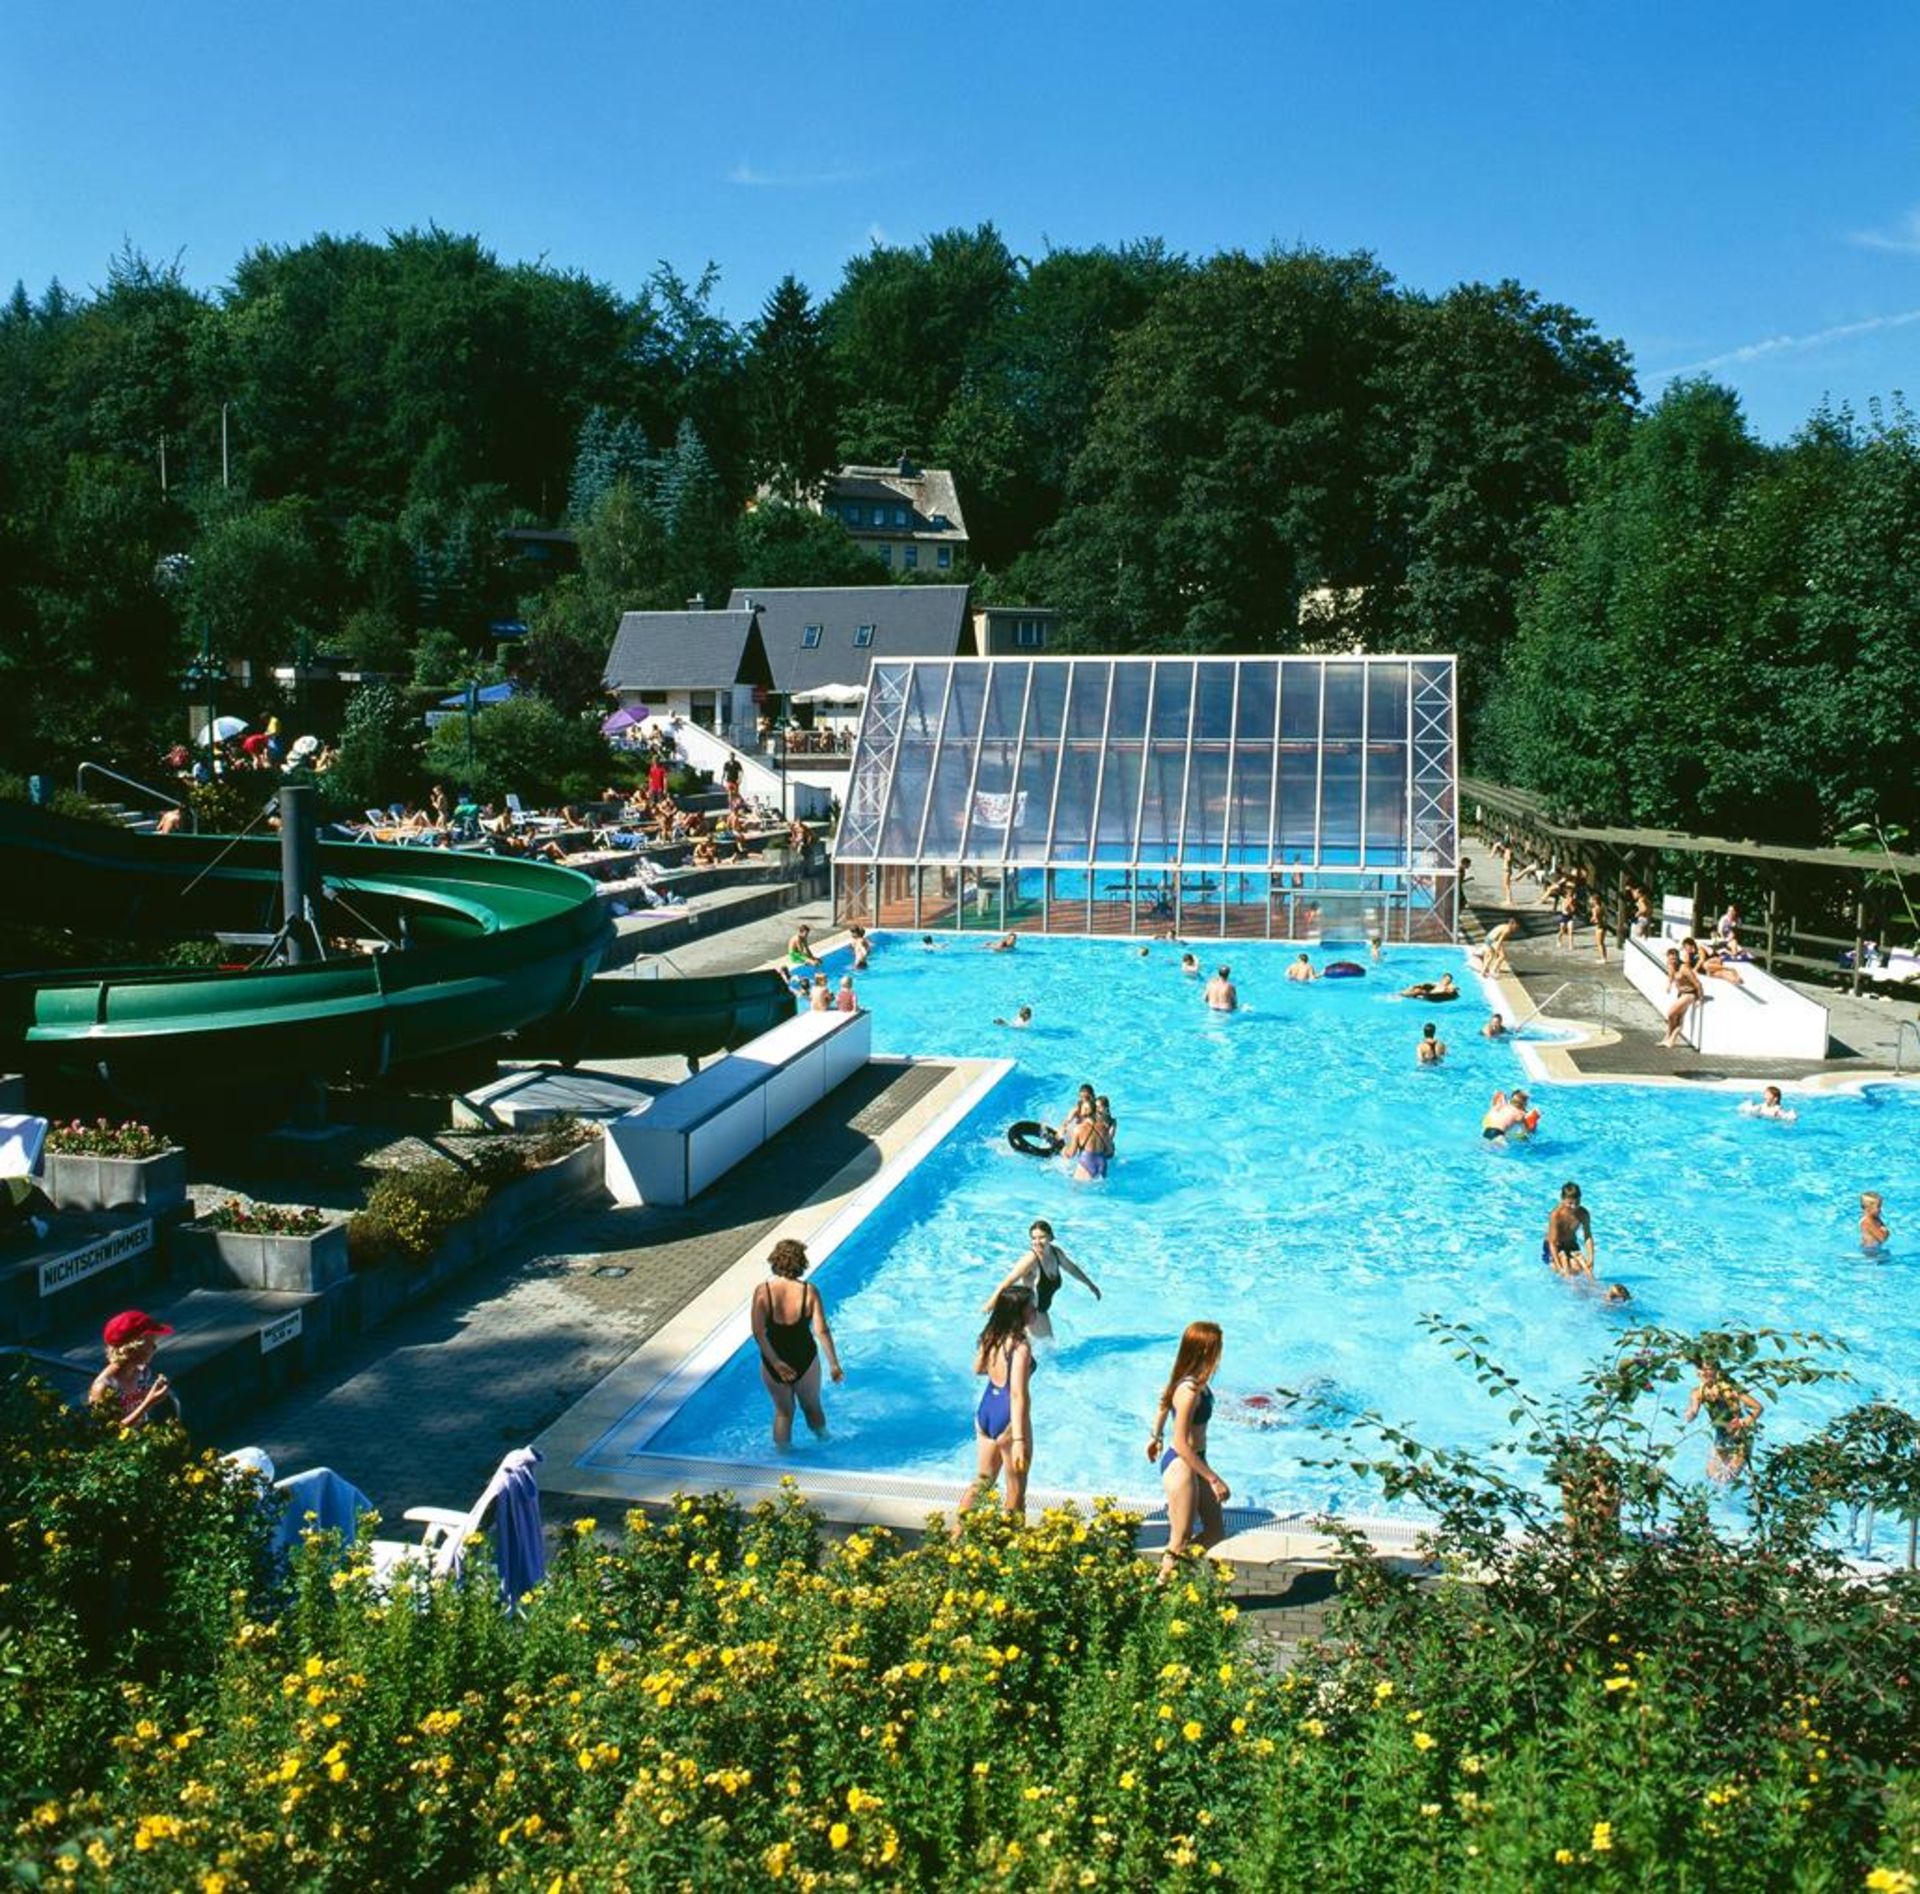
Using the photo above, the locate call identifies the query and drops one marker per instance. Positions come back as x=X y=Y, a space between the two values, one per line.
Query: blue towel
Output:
x=319 y=1501
x=519 y=1545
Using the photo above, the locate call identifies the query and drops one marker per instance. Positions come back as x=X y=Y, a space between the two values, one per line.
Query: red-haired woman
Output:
x=1192 y=1487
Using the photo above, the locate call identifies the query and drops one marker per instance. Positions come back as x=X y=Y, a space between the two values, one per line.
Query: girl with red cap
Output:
x=127 y=1386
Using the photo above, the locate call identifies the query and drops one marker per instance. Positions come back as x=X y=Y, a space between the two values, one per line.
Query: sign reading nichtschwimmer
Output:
x=62 y=1272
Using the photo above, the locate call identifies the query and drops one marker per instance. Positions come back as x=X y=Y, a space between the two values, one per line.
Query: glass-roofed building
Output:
x=1291 y=798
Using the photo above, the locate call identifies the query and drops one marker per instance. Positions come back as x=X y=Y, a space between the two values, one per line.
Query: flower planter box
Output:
x=237 y=1259
x=86 y=1184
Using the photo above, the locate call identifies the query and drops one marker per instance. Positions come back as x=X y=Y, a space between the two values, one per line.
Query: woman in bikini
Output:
x=790 y=1330
x=1193 y=1489
x=1003 y=1422
x=1039 y=1274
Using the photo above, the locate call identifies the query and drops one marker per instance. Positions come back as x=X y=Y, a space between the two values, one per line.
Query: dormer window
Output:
x=810 y=638
x=863 y=636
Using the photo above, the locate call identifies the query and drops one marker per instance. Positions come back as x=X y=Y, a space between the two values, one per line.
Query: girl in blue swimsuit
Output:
x=1003 y=1422
x=1192 y=1487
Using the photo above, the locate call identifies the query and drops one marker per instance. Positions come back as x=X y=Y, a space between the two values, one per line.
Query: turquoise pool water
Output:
x=1292 y=1173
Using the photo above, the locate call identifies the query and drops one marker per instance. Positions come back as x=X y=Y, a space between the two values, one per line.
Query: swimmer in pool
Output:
x=1022 y=1019
x=1768 y=1105
x=1188 y=964
x=1195 y=1493
x=1431 y=1050
x=1509 y=1116
x=1003 y=1422
x=1874 y=1233
x=1004 y=945
x=1302 y=969
x=1495 y=1028
x=1568 y=1244
x=1731 y=1413
x=928 y=945
x=1440 y=989
x=1222 y=996
x=1040 y=1274
x=1089 y=1147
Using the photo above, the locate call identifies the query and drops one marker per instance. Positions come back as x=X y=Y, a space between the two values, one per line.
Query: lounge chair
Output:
x=512 y=1497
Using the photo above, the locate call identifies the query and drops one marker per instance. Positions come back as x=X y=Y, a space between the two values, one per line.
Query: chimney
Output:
x=746 y=602
x=697 y=603
x=907 y=469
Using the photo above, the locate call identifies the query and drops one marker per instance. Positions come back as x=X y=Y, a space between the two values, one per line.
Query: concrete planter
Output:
x=240 y=1259
x=575 y=1179
x=85 y=1185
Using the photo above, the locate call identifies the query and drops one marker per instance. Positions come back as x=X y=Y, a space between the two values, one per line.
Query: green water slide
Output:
x=467 y=948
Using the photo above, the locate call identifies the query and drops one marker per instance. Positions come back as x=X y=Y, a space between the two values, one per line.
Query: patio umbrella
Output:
x=223 y=730
x=625 y=719
x=831 y=694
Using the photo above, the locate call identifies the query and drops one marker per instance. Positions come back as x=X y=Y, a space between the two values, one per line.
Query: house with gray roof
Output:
x=816 y=635
x=709 y=668
x=908 y=517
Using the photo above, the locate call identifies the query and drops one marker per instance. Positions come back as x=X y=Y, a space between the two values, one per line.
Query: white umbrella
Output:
x=831 y=694
x=223 y=730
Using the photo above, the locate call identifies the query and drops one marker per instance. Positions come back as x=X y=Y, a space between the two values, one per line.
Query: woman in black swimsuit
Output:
x=787 y=1316
x=1040 y=1273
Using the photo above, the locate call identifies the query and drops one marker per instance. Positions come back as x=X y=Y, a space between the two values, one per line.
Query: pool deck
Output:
x=1625 y=1032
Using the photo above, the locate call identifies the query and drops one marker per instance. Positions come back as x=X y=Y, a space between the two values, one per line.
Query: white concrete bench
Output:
x=670 y=1149
x=1761 y=1018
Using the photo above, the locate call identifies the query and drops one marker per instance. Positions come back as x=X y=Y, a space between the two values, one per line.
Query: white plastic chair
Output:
x=512 y=1496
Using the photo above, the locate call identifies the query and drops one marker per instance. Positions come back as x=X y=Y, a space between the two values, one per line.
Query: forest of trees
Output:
x=1659 y=617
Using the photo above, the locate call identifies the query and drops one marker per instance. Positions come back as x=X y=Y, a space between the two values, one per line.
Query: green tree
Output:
x=1629 y=689
x=791 y=408
x=379 y=756
x=525 y=746
x=1226 y=470
x=781 y=545
x=257 y=580
x=905 y=324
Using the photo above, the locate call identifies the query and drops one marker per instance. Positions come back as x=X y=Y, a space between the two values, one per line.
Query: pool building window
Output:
x=1246 y=798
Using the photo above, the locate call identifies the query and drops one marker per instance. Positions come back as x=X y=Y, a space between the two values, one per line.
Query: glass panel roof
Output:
x=1254 y=765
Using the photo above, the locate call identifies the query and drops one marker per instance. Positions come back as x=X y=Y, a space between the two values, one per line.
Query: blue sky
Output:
x=1727 y=188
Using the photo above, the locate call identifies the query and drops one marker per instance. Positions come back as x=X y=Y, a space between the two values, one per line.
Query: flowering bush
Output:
x=712 y=1700
x=103 y=1138
x=266 y=1219
x=408 y=1213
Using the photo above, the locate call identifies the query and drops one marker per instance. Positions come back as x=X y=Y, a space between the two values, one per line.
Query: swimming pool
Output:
x=1292 y=1173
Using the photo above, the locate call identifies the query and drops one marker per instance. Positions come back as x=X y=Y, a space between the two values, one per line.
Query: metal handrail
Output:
x=146 y=789
x=1554 y=995
x=1901 y=1029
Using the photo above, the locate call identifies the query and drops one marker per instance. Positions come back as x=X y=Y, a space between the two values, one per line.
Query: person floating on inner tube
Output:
x=1039 y=1274
x=1435 y=991
x=1509 y=1116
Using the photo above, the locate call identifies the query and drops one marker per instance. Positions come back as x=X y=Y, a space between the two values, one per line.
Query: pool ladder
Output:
x=1900 y=1046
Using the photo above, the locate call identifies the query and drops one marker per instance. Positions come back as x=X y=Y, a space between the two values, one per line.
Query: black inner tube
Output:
x=1032 y=1139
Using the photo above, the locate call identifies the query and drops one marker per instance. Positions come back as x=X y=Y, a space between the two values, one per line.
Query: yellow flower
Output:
x=776 y=1858
x=1621 y=1683
x=1564 y=1856
x=1128 y=1780
x=1602 y=1842
x=858 y=1800
x=1191 y=1731
x=1890 y=1881
x=584 y=1526
x=839 y=1834
x=1429 y=1809
x=1421 y=1740
x=1382 y=1691
x=316 y=1667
